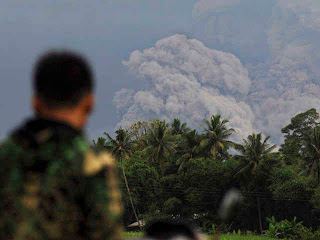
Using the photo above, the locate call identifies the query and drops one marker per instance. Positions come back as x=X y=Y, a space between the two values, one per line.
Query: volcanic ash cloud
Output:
x=187 y=81
x=278 y=41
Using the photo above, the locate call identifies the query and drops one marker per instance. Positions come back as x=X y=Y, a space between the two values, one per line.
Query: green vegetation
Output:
x=237 y=237
x=170 y=171
x=129 y=235
x=290 y=230
x=133 y=234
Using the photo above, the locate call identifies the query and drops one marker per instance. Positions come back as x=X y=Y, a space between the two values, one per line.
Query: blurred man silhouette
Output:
x=53 y=186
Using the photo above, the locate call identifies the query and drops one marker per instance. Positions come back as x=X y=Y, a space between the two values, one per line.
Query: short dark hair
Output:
x=62 y=78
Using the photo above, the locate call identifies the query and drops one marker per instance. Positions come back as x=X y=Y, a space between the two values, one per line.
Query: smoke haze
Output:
x=254 y=62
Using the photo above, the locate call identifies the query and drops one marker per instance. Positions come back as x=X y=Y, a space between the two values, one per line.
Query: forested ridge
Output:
x=171 y=171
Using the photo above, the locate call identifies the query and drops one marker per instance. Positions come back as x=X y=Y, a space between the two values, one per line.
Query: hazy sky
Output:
x=105 y=31
x=255 y=62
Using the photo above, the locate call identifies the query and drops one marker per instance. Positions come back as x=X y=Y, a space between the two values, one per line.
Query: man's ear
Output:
x=88 y=103
x=36 y=104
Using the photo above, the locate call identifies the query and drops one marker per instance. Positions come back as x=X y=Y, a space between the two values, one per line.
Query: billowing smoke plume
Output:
x=292 y=73
x=236 y=26
x=277 y=42
x=189 y=81
x=307 y=12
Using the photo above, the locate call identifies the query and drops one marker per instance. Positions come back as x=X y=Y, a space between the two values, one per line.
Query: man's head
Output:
x=63 y=87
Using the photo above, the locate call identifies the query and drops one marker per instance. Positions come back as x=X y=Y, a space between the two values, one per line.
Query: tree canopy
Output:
x=177 y=172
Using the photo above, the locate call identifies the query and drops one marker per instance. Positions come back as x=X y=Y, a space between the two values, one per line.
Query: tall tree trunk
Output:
x=129 y=193
x=318 y=171
x=161 y=167
x=214 y=152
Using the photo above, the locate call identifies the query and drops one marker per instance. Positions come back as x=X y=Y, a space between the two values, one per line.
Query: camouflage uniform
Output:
x=53 y=186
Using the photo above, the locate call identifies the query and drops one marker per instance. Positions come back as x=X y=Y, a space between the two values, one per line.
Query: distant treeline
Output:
x=171 y=171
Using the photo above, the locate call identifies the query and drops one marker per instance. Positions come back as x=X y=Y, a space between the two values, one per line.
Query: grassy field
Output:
x=224 y=237
x=236 y=237
x=133 y=234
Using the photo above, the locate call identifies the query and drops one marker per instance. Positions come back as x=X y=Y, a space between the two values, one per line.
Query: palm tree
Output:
x=138 y=129
x=253 y=151
x=159 y=143
x=121 y=148
x=216 y=135
x=190 y=147
x=311 y=152
x=177 y=128
x=100 y=144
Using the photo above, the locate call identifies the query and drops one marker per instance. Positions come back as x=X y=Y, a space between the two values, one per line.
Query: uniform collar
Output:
x=38 y=130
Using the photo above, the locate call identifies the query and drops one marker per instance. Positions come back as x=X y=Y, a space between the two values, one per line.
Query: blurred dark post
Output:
x=318 y=171
x=259 y=212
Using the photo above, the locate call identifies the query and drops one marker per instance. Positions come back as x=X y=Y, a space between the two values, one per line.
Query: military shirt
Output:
x=54 y=186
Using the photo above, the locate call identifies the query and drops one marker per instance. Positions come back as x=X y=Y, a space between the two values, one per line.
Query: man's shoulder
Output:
x=6 y=142
x=81 y=157
x=93 y=160
x=97 y=161
x=7 y=146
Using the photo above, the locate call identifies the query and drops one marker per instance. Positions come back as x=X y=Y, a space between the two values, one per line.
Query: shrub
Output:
x=290 y=230
x=283 y=229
